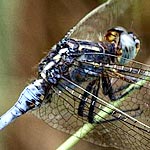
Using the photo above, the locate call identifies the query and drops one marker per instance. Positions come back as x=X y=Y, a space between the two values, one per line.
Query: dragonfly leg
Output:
x=124 y=91
x=112 y=93
x=107 y=87
x=93 y=102
x=94 y=88
x=84 y=98
x=121 y=88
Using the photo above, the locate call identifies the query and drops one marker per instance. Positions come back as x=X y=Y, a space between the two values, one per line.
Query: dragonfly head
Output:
x=126 y=43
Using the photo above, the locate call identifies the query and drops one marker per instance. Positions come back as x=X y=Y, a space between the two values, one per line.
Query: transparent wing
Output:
x=98 y=21
x=124 y=126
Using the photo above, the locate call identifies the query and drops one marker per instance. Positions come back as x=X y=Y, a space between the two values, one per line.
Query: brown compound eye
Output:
x=111 y=36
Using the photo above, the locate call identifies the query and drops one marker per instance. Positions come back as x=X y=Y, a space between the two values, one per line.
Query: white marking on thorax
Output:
x=88 y=47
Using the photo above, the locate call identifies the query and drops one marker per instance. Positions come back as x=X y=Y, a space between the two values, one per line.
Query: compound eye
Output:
x=111 y=36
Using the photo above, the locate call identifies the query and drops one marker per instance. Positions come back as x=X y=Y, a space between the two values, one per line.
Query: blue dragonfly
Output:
x=83 y=74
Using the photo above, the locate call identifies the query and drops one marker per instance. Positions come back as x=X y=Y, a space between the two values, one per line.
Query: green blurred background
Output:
x=28 y=29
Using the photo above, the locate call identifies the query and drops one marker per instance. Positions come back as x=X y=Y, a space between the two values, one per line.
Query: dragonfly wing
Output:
x=112 y=131
x=98 y=21
x=62 y=114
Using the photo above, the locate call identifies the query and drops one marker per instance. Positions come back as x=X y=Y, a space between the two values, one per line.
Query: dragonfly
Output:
x=82 y=76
